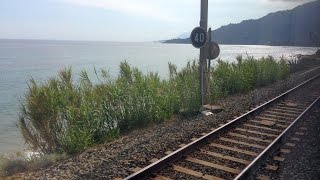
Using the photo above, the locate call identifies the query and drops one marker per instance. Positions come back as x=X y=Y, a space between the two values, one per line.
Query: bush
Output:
x=19 y=163
x=245 y=75
x=185 y=87
x=59 y=116
x=11 y=166
x=63 y=115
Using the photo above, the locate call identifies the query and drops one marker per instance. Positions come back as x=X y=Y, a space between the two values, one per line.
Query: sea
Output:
x=21 y=60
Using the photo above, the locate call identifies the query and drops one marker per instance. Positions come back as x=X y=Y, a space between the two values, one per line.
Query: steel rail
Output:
x=255 y=164
x=183 y=151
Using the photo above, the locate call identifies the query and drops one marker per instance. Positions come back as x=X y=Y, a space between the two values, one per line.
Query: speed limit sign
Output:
x=198 y=37
x=214 y=50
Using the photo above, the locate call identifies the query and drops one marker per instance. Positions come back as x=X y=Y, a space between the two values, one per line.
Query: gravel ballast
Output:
x=303 y=161
x=136 y=149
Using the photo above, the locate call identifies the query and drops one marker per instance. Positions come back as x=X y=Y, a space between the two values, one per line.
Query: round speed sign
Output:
x=214 y=50
x=198 y=37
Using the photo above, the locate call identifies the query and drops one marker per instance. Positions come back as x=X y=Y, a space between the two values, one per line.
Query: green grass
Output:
x=64 y=115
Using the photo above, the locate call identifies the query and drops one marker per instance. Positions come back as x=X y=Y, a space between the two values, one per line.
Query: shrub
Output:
x=11 y=166
x=58 y=115
x=245 y=75
x=185 y=87
x=19 y=163
x=63 y=115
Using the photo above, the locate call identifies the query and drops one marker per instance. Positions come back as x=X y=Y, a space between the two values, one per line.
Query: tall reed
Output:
x=246 y=74
x=64 y=115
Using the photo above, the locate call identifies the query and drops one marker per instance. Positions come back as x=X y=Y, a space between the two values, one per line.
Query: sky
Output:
x=123 y=20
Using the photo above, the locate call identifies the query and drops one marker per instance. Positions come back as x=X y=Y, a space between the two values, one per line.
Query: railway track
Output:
x=237 y=149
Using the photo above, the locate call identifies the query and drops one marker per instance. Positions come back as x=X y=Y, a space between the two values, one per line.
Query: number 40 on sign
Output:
x=198 y=37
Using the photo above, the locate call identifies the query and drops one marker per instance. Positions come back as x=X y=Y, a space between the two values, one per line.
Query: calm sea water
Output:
x=22 y=59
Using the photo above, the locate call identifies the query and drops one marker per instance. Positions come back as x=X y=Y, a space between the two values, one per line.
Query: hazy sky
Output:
x=123 y=20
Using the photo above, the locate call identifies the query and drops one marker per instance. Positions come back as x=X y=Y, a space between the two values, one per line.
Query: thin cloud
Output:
x=138 y=7
x=287 y=4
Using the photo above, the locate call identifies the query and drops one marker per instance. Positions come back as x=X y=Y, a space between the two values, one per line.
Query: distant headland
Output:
x=297 y=27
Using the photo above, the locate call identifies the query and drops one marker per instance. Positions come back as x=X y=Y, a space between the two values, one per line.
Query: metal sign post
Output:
x=209 y=63
x=203 y=53
x=208 y=50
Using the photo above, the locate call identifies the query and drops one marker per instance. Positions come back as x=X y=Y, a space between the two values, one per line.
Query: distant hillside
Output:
x=297 y=27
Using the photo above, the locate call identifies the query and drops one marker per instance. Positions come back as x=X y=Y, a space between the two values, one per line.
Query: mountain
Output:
x=184 y=35
x=297 y=27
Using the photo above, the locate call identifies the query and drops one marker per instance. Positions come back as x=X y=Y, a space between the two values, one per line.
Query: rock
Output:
x=213 y=108
x=206 y=113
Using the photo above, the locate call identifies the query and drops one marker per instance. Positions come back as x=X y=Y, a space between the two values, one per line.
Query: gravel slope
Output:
x=115 y=159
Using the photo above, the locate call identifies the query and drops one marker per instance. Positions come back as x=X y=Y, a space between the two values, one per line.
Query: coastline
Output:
x=18 y=67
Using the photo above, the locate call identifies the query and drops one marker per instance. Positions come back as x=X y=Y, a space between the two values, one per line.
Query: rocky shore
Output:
x=136 y=149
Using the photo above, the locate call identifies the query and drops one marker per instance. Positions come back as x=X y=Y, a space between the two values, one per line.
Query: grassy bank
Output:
x=62 y=115
x=65 y=115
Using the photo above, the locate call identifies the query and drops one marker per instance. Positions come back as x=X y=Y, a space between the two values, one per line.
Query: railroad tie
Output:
x=194 y=173
x=182 y=145
x=168 y=152
x=262 y=177
x=158 y=177
x=272 y=167
x=249 y=137
x=153 y=160
x=289 y=108
x=303 y=128
x=242 y=143
x=262 y=127
x=295 y=139
x=265 y=122
x=285 y=111
x=223 y=156
x=299 y=133
x=136 y=169
x=204 y=133
x=276 y=116
x=285 y=151
x=278 y=158
x=290 y=144
x=251 y=153
x=272 y=119
x=213 y=165
x=194 y=139
x=256 y=132
x=281 y=114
